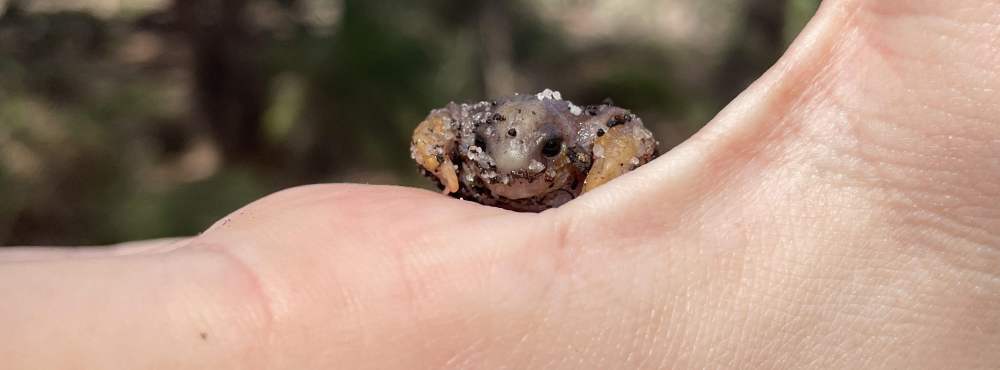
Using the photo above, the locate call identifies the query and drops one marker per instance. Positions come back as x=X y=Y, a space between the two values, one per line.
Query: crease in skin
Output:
x=259 y=294
x=929 y=156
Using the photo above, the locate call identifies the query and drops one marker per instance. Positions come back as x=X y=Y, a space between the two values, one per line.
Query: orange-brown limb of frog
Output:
x=620 y=150
x=432 y=146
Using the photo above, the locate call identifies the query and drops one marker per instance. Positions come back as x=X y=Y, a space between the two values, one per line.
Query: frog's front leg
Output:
x=620 y=149
x=434 y=143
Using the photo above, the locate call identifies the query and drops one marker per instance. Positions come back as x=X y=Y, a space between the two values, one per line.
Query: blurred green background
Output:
x=136 y=119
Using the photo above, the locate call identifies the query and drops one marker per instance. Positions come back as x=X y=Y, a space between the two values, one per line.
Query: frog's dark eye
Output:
x=552 y=147
x=480 y=141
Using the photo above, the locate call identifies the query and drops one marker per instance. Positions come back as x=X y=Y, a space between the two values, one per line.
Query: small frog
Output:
x=528 y=152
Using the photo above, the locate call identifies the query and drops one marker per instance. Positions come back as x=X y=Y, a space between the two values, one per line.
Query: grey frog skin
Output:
x=528 y=152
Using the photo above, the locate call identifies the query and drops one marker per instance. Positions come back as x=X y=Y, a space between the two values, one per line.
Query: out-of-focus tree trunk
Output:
x=496 y=50
x=229 y=90
x=756 y=47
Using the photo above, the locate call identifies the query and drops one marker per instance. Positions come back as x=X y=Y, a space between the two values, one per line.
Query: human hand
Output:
x=844 y=212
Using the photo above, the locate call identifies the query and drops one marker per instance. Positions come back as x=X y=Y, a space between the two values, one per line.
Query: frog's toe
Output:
x=449 y=178
x=433 y=143
x=621 y=149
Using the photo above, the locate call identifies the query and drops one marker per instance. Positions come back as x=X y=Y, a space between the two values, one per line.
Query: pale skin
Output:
x=844 y=212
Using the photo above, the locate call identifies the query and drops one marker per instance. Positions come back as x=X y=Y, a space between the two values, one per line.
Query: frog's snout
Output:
x=513 y=156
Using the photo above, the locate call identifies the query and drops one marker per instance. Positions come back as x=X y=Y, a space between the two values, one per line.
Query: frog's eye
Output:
x=552 y=147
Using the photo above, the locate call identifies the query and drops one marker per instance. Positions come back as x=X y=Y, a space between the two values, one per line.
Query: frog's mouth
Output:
x=520 y=185
x=516 y=178
x=524 y=184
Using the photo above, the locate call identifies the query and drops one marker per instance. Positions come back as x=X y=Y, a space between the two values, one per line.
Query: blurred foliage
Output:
x=137 y=119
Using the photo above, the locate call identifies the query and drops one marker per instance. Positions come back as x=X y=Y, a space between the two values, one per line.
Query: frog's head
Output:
x=528 y=140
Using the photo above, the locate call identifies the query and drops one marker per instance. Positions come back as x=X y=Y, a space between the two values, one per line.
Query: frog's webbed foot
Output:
x=621 y=149
x=434 y=141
